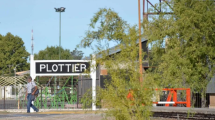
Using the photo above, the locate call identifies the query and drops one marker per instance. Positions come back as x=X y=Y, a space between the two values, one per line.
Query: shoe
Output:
x=28 y=112
x=37 y=110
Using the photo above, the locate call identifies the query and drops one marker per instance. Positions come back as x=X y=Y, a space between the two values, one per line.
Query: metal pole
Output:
x=59 y=35
x=145 y=15
x=140 y=45
x=55 y=84
x=15 y=82
x=37 y=79
x=72 y=85
x=41 y=97
x=55 y=92
x=77 y=94
x=4 y=97
x=59 y=42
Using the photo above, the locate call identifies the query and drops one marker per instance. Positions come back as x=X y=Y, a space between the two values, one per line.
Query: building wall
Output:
x=85 y=84
x=0 y=93
x=8 y=92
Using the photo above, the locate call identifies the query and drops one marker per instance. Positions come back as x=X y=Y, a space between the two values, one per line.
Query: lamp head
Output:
x=61 y=9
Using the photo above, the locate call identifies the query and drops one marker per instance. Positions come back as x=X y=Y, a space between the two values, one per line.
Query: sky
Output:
x=21 y=16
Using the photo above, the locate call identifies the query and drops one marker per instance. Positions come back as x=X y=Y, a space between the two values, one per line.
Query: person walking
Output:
x=30 y=94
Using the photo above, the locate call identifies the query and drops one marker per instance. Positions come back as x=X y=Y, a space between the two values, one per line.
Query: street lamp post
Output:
x=61 y=9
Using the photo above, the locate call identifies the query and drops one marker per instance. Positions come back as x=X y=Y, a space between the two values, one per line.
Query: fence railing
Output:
x=67 y=98
x=48 y=98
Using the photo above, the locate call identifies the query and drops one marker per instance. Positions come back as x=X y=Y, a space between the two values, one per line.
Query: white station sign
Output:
x=62 y=67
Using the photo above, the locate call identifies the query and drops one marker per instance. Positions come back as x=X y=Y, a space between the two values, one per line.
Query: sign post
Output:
x=93 y=76
x=32 y=74
x=64 y=68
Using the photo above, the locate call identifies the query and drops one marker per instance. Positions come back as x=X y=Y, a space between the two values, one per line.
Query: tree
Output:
x=112 y=28
x=52 y=53
x=121 y=67
x=13 y=53
x=188 y=59
x=77 y=55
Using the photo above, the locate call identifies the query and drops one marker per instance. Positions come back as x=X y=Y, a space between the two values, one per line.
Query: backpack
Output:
x=36 y=92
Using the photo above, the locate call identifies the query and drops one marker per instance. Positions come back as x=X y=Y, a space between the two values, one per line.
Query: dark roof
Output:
x=116 y=49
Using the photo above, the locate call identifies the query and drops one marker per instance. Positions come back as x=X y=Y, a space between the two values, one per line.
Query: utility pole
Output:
x=140 y=45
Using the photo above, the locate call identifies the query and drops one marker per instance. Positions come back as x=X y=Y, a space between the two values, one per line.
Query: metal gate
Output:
x=51 y=96
x=11 y=88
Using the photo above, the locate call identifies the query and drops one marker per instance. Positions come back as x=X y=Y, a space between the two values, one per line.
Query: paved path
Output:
x=52 y=115
x=58 y=115
x=79 y=114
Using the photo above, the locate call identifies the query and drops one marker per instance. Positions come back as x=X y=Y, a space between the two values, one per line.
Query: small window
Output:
x=14 y=90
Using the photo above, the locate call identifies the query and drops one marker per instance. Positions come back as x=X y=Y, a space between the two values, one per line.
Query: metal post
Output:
x=41 y=97
x=55 y=84
x=77 y=94
x=188 y=97
x=15 y=81
x=175 y=98
x=55 y=92
x=4 y=97
x=72 y=86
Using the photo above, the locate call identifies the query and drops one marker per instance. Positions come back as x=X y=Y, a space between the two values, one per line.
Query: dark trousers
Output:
x=29 y=103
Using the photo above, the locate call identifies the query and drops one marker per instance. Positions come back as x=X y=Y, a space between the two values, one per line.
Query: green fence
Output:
x=53 y=98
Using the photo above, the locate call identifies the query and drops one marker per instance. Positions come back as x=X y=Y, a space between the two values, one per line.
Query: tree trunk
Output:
x=193 y=99
x=203 y=99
